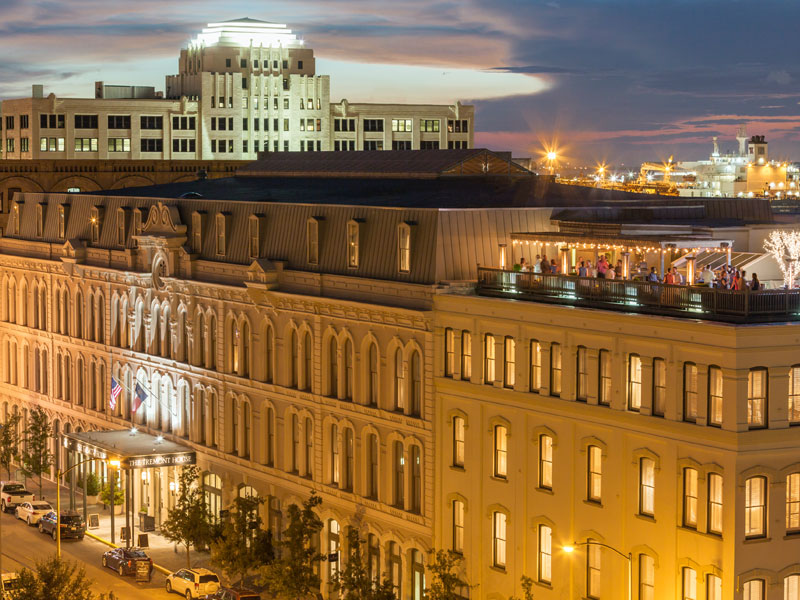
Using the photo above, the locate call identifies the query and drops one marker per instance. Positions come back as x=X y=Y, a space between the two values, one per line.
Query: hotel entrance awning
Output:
x=134 y=449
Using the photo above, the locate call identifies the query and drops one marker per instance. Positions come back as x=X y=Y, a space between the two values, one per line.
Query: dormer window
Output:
x=95 y=220
x=40 y=220
x=15 y=212
x=404 y=248
x=121 y=226
x=353 y=230
x=63 y=215
x=221 y=226
x=312 y=241
x=255 y=229
x=198 y=220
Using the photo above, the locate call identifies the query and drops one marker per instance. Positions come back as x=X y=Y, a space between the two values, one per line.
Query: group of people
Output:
x=725 y=277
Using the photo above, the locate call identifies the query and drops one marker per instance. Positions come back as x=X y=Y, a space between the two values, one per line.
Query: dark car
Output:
x=72 y=525
x=124 y=560
x=233 y=594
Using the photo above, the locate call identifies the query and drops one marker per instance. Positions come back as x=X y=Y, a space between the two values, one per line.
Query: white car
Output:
x=192 y=583
x=31 y=512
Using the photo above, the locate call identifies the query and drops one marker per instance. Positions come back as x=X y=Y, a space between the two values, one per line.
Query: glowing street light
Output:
x=629 y=557
x=551 y=156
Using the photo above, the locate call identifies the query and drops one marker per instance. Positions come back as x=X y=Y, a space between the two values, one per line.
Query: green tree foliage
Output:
x=243 y=545
x=189 y=521
x=105 y=491
x=353 y=580
x=55 y=579
x=527 y=588
x=445 y=583
x=9 y=442
x=36 y=455
x=292 y=575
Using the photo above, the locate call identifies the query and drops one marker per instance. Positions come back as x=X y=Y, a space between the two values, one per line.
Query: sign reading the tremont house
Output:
x=161 y=460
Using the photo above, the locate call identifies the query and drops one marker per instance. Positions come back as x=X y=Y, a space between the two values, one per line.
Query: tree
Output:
x=527 y=588
x=9 y=442
x=353 y=581
x=189 y=522
x=36 y=455
x=54 y=579
x=445 y=583
x=243 y=545
x=292 y=575
x=785 y=249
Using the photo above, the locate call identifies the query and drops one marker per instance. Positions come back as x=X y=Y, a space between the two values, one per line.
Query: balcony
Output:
x=688 y=302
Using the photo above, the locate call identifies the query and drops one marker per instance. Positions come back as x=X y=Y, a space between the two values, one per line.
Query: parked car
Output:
x=31 y=512
x=13 y=493
x=233 y=594
x=124 y=560
x=192 y=583
x=72 y=524
x=9 y=586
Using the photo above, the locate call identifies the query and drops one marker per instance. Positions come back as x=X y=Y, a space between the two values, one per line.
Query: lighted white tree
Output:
x=785 y=248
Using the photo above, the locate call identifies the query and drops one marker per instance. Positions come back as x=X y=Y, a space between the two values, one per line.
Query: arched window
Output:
x=212 y=342
x=199 y=339
x=23 y=302
x=372 y=376
x=234 y=414
x=399 y=382
x=416 y=480
x=12 y=302
x=78 y=331
x=372 y=466
x=293 y=366
x=235 y=341
x=245 y=353
x=180 y=343
x=81 y=380
x=35 y=311
x=246 y=429
x=43 y=307
x=309 y=432
x=123 y=324
x=398 y=474
x=45 y=372
x=269 y=456
x=165 y=332
x=335 y=479
x=155 y=329
x=90 y=314
x=349 y=459
x=115 y=321
x=269 y=345
x=333 y=368
x=213 y=410
x=415 y=385
x=348 y=370
x=63 y=318
x=307 y=357
x=295 y=433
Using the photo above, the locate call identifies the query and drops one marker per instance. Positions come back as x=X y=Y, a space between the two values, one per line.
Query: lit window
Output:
x=399 y=474
x=715 y=396
x=404 y=248
x=793 y=502
x=509 y=362
x=488 y=354
x=416 y=480
x=791 y=587
x=536 y=366
x=688 y=584
x=458 y=526
x=582 y=387
x=545 y=557
x=715 y=503
x=647 y=577
x=546 y=462
x=754 y=590
x=555 y=369
x=755 y=509
x=794 y=395
x=449 y=352
x=593 y=572
x=466 y=355
x=713 y=587
x=335 y=455
x=659 y=386
x=757 y=397
x=372 y=467
x=499 y=538
x=352 y=244
x=458 y=441
x=604 y=385
x=647 y=486
x=96 y=219
x=312 y=241
x=690 y=497
x=500 y=451
x=689 y=392
x=595 y=475
x=634 y=382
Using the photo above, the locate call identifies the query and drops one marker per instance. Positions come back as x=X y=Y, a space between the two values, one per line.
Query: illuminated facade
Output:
x=243 y=87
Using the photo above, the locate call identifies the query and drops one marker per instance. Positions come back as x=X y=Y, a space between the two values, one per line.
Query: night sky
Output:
x=612 y=80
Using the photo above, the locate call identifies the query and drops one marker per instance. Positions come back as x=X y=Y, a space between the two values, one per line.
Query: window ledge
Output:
x=544 y=490
x=594 y=503
x=644 y=517
x=499 y=479
x=544 y=584
x=457 y=468
x=498 y=569
x=757 y=540
x=792 y=535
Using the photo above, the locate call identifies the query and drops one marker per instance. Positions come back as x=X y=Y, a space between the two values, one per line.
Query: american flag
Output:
x=116 y=389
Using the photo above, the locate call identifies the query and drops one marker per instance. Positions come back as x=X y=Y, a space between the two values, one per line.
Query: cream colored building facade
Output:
x=243 y=87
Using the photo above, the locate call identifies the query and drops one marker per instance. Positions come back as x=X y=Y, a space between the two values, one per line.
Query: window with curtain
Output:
x=647 y=486
x=333 y=368
x=713 y=587
x=372 y=466
x=295 y=444
x=535 y=366
x=793 y=502
x=499 y=540
x=546 y=462
x=757 y=398
x=449 y=352
x=755 y=508
x=659 y=386
x=308 y=355
x=753 y=590
x=372 y=376
x=466 y=355
x=593 y=571
x=509 y=362
x=415 y=384
x=690 y=497
x=647 y=577
x=595 y=474
x=715 y=503
x=335 y=475
x=791 y=587
x=715 y=396
x=634 y=382
x=581 y=376
x=458 y=526
x=545 y=554
x=555 y=369
x=348 y=369
x=794 y=395
x=399 y=382
x=689 y=392
x=604 y=386
x=416 y=479
x=488 y=359
x=349 y=459
x=688 y=584
x=399 y=474
x=458 y=441
x=500 y=451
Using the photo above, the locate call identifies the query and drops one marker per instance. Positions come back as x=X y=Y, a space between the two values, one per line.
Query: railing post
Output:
x=746 y=301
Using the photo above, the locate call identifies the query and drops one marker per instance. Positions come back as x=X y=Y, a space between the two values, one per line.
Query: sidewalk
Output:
x=164 y=553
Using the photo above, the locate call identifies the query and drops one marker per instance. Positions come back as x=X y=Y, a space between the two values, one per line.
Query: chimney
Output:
x=37 y=90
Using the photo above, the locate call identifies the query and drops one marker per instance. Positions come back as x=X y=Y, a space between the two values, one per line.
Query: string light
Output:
x=785 y=249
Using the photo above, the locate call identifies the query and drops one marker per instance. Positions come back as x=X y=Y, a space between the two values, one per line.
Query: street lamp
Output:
x=629 y=557
x=113 y=464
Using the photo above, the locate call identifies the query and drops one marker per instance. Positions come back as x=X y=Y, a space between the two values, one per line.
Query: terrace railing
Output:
x=693 y=302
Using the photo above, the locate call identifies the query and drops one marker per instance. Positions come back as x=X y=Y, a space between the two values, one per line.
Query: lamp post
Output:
x=629 y=557
x=59 y=474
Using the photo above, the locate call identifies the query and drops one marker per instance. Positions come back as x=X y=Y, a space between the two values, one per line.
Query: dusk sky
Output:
x=611 y=80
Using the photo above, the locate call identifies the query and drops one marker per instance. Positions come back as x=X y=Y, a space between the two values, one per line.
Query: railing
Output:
x=695 y=302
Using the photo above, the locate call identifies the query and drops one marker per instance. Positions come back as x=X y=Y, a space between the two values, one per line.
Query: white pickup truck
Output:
x=13 y=493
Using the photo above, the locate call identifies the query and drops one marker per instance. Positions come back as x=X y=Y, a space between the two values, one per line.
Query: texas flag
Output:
x=116 y=389
x=140 y=397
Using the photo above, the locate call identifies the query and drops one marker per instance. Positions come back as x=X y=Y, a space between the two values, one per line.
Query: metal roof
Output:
x=131 y=447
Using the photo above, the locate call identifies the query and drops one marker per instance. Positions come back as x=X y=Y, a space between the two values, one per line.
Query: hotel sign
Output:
x=161 y=460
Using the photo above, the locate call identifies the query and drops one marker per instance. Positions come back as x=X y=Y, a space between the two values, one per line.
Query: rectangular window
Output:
x=466 y=355
x=373 y=145
x=10 y=122
x=690 y=497
x=255 y=238
x=85 y=121
x=688 y=584
x=352 y=244
x=634 y=382
x=604 y=373
x=197 y=233
x=791 y=588
x=488 y=359
x=24 y=145
x=151 y=122
x=449 y=352
x=715 y=396
x=793 y=503
x=429 y=125
x=458 y=526
x=499 y=538
x=714 y=587
x=546 y=462
x=659 y=386
x=595 y=474
x=689 y=392
x=312 y=241
x=373 y=124
x=715 y=503
x=24 y=122
x=647 y=577
x=119 y=121
x=757 y=398
x=545 y=557
x=404 y=248
x=755 y=508
x=555 y=369
x=647 y=486
x=10 y=144
x=500 y=452
x=458 y=441
x=794 y=395
x=582 y=382
x=429 y=145
x=593 y=572
x=119 y=144
x=536 y=366
x=152 y=145
x=401 y=144
x=85 y=144
x=509 y=362
x=754 y=590
x=401 y=125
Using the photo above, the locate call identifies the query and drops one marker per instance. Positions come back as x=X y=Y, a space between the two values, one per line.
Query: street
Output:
x=23 y=546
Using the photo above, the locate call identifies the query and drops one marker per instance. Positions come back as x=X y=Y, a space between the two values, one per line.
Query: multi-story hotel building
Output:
x=243 y=87
x=341 y=344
